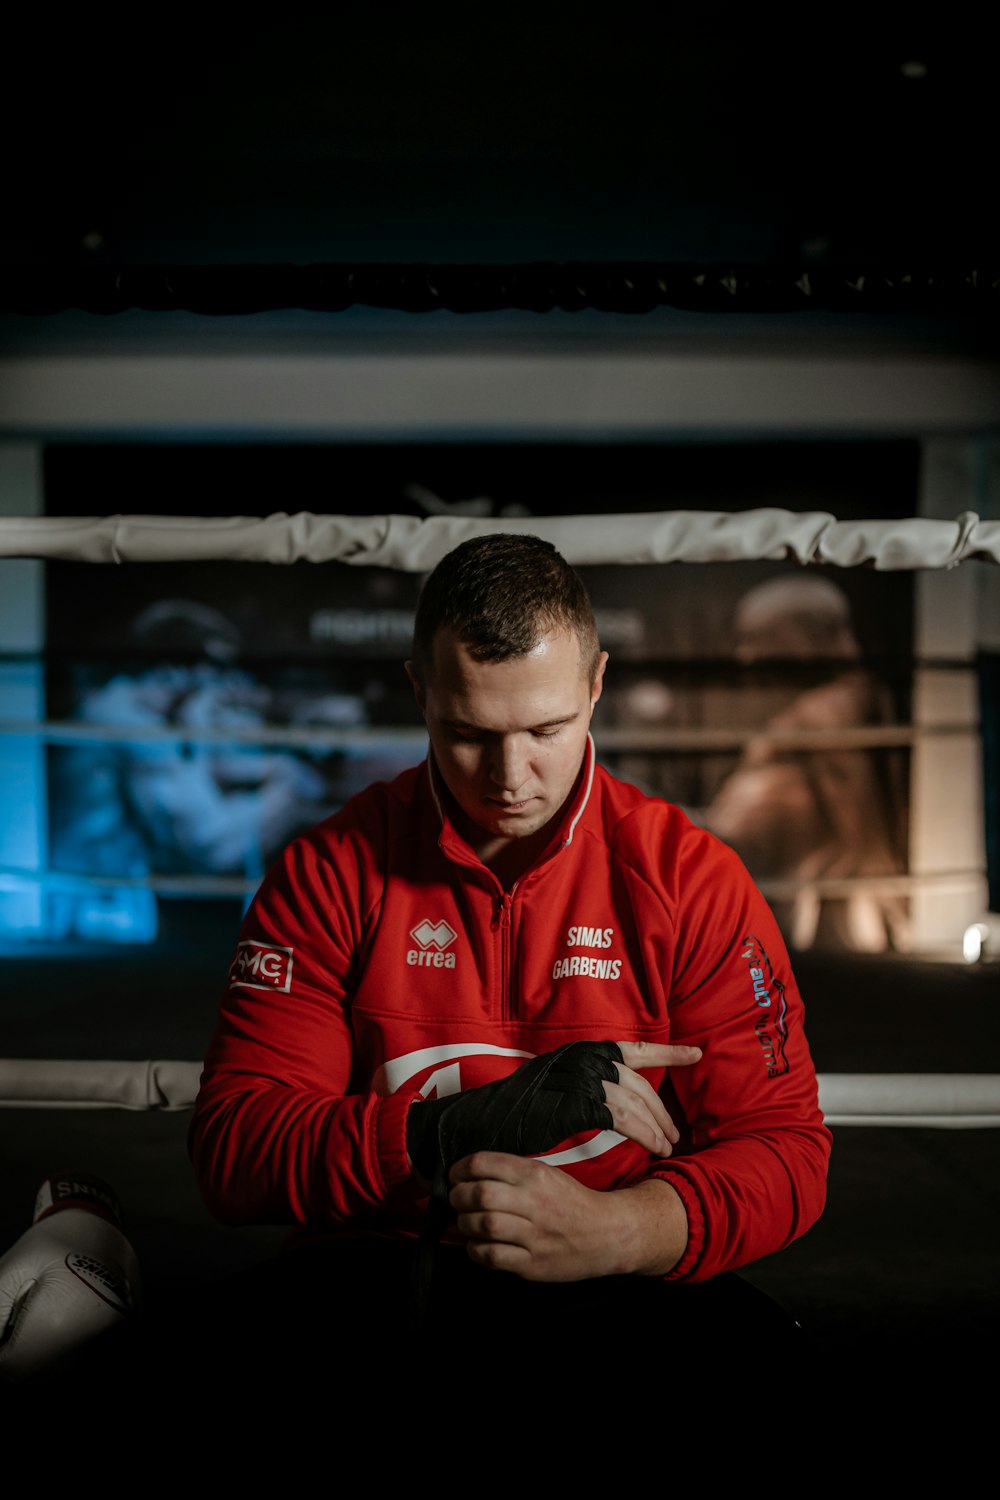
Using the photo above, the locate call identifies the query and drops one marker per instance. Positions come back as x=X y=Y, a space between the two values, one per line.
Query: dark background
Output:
x=447 y=133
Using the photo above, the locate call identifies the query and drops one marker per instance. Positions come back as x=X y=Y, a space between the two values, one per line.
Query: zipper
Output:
x=503 y=922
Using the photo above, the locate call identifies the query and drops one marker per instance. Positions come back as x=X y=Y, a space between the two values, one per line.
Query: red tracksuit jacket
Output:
x=381 y=961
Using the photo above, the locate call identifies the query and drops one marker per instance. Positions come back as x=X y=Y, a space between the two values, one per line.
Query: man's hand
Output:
x=637 y=1111
x=535 y=1221
x=523 y=1216
x=580 y=1086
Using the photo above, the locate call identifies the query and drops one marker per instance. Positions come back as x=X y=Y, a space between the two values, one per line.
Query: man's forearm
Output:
x=652 y=1227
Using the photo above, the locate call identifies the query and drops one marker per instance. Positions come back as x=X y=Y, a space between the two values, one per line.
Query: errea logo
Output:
x=433 y=939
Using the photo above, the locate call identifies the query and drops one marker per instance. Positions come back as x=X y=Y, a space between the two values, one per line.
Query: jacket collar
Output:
x=451 y=842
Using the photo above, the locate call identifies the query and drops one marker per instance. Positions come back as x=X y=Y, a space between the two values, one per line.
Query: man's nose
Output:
x=508 y=766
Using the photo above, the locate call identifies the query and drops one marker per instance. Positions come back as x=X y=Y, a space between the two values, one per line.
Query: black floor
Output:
x=904 y=1264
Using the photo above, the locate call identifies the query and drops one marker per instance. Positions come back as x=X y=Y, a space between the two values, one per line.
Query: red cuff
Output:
x=391 y=1161
x=681 y=1185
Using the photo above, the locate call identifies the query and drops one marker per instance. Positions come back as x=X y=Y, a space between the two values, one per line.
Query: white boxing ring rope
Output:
x=415 y=545
x=952 y=1100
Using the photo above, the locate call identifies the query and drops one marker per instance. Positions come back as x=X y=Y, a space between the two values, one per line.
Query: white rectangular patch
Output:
x=261 y=967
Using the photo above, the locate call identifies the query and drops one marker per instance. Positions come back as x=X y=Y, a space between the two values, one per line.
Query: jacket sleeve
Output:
x=277 y=1136
x=752 y=1174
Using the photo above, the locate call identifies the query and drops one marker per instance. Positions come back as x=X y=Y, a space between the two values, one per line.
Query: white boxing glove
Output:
x=70 y=1278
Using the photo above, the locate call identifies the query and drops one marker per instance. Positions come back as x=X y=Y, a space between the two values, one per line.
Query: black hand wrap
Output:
x=545 y=1101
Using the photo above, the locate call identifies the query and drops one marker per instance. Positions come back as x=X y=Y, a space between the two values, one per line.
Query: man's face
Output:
x=508 y=737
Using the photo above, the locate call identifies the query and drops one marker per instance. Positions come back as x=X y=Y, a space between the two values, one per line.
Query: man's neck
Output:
x=507 y=858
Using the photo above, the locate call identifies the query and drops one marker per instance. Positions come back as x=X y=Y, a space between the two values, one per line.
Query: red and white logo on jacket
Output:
x=448 y=1069
x=433 y=940
x=260 y=966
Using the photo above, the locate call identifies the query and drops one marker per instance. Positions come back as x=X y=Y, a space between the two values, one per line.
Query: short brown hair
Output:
x=499 y=594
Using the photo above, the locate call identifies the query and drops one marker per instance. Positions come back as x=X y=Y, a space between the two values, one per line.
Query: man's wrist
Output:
x=655 y=1227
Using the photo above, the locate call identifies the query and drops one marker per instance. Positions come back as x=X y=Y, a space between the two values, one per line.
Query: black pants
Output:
x=341 y=1319
x=326 y=1338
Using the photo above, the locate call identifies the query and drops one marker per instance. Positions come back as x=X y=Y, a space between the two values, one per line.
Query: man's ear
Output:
x=597 y=686
x=416 y=684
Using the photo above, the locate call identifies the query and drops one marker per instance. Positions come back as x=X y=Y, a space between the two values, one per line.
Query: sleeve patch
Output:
x=258 y=966
x=770 y=1025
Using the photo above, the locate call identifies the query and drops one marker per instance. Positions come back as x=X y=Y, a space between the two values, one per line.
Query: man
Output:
x=513 y=1049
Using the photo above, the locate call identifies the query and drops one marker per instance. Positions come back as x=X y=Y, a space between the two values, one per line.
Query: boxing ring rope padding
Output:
x=411 y=544
x=33 y=1083
x=949 y=1100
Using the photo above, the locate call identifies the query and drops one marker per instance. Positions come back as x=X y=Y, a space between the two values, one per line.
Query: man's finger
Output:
x=648 y=1098
x=633 y=1118
x=495 y=1166
x=658 y=1054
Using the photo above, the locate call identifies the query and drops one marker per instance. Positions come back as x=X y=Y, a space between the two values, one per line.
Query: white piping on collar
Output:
x=591 y=750
x=433 y=773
